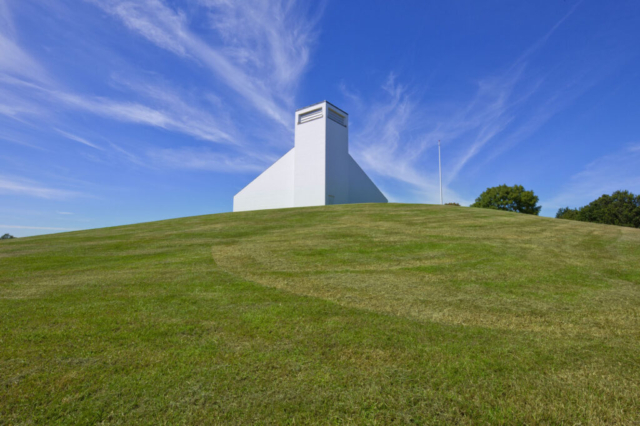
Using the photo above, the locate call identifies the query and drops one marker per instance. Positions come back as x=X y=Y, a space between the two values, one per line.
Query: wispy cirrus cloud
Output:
x=257 y=49
x=206 y=159
x=402 y=130
x=26 y=85
x=395 y=139
x=19 y=186
x=39 y=228
x=78 y=139
x=609 y=173
x=6 y=23
x=262 y=72
x=380 y=142
x=14 y=103
x=14 y=60
x=20 y=142
x=135 y=159
x=271 y=40
x=168 y=112
x=187 y=121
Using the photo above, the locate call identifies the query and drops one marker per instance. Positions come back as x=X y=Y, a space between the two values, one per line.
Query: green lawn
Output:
x=366 y=314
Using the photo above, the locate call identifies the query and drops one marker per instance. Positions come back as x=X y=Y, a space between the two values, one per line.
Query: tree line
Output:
x=621 y=208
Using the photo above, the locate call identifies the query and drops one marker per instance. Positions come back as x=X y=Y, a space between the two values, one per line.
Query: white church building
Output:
x=318 y=170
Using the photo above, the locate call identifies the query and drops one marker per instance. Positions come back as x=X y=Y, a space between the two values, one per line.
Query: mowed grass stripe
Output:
x=541 y=274
x=382 y=314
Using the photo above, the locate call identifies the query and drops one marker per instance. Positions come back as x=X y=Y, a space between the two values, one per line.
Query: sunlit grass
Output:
x=344 y=314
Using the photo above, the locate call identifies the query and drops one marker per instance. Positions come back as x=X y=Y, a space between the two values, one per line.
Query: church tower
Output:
x=318 y=170
x=321 y=167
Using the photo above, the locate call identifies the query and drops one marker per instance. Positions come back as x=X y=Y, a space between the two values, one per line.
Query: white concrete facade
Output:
x=318 y=171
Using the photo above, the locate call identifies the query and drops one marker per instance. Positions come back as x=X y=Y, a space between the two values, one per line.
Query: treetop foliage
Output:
x=621 y=208
x=511 y=198
x=6 y=237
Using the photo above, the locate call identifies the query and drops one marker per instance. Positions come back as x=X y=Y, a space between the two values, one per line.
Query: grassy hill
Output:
x=374 y=314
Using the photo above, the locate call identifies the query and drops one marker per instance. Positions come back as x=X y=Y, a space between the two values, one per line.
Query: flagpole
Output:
x=440 y=169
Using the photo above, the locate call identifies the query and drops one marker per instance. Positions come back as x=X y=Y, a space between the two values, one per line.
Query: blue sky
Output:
x=123 y=111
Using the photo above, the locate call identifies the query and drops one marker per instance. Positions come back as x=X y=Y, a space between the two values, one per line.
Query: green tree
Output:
x=568 y=213
x=621 y=208
x=6 y=237
x=511 y=198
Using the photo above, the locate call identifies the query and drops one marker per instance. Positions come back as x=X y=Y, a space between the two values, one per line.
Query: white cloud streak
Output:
x=259 y=49
x=393 y=140
x=33 y=189
x=271 y=39
x=398 y=133
x=605 y=175
x=6 y=23
x=199 y=125
x=127 y=155
x=172 y=113
x=19 y=141
x=202 y=159
x=79 y=139
x=13 y=59
x=169 y=30
x=41 y=228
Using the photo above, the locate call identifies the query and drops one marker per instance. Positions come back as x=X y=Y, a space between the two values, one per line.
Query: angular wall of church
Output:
x=337 y=165
x=361 y=188
x=273 y=189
